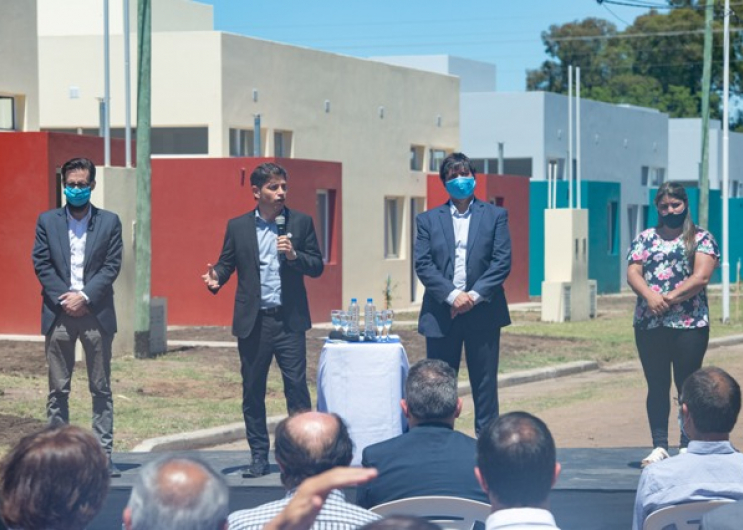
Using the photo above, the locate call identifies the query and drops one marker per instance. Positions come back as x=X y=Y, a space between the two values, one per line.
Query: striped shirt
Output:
x=336 y=514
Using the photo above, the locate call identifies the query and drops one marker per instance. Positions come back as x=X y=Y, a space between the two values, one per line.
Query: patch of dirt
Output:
x=13 y=428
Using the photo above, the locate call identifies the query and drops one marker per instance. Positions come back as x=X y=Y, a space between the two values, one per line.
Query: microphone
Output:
x=281 y=229
x=281 y=224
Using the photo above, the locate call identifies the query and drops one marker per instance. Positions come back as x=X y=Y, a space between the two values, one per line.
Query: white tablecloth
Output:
x=363 y=383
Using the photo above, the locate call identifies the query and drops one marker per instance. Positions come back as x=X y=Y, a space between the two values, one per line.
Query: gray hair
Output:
x=431 y=390
x=201 y=505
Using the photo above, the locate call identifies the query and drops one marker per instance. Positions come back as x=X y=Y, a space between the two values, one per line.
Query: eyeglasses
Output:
x=79 y=185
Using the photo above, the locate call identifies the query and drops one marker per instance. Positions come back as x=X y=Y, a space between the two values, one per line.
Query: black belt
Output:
x=271 y=310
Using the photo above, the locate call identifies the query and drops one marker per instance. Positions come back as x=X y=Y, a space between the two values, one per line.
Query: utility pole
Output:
x=142 y=234
x=706 y=80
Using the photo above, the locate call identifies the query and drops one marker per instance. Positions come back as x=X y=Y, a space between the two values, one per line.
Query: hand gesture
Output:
x=462 y=303
x=210 y=278
x=74 y=303
x=309 y=498
x=285 y=247
x=657 y=304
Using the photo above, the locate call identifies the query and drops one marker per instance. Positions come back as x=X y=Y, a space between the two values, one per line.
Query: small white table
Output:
x=363 y=383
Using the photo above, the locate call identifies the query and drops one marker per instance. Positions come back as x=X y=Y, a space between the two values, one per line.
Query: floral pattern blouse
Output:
x=664 y=267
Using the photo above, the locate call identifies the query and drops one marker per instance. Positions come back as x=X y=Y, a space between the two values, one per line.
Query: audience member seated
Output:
x=306 y=445
x=516 y=467
x=53 y=479
x=431 y=458
x=711 y=468
x=177 y=493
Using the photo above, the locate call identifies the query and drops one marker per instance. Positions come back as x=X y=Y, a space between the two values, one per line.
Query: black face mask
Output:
x=674 y=220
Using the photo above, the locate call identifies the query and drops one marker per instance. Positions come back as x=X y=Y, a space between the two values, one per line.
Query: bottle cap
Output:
x=369 y=300
x=353 y=300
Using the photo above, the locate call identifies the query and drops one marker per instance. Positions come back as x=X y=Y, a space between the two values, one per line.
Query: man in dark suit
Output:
x=431 y=458
x=77 y=257
x=462 y=257
x=271 y=312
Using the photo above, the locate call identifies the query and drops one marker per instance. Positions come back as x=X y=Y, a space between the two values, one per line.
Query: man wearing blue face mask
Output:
x=77 y=257
x=462 y=257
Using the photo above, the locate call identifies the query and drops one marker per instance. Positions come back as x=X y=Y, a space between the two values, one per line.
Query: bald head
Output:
x=711 y=397
x=309 y=443
x=177 y=493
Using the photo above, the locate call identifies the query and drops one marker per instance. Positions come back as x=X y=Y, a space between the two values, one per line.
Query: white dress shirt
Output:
x=461 y=232
x=78 y=233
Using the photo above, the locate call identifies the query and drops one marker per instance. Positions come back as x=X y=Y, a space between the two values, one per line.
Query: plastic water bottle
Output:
x=353 y=319
x=370 y=331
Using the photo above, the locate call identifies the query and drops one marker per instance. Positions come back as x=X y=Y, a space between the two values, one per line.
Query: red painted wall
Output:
x=28 y=163
x=192 y=200
x=511 y=192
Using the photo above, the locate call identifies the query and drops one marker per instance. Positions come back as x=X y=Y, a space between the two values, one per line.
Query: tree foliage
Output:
x=655 y=62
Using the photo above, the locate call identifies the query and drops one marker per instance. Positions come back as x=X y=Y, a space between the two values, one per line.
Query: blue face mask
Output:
x=77 y=196
x=461 y=187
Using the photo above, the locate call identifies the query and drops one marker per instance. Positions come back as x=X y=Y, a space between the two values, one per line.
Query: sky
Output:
x=506 y=33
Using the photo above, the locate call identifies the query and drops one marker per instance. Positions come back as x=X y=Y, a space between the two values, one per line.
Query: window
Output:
x=325 y=204
x=416 y=157
x=179 y=140
x=392 y=227
x=657 y=176
x=644 y=173
x=282 y=144
x=241 y=142
x=633 y=213
x=612 y=227
x=7 y=113
x=437 y=156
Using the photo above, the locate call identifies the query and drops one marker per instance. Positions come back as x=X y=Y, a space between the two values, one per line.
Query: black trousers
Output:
x=661 y=349
x=268 y=338
x=481 y=349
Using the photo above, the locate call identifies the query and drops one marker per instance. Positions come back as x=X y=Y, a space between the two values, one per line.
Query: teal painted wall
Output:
x=603 y=264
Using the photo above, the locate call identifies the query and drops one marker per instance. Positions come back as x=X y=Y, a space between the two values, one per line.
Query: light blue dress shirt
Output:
x=268 y=257
x=707 y=471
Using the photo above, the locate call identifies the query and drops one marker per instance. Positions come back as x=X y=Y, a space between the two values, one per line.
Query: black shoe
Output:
x=113 y=471
x=258 y=467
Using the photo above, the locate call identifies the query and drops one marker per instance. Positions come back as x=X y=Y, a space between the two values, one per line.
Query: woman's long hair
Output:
x=689 y=234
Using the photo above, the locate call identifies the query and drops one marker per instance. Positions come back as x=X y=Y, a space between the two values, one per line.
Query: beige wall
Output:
x=85 y=17
x=207 y=79
x=19 y=60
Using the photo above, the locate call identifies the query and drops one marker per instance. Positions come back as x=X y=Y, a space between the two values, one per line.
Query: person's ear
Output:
x=127 y=518
x=481 y=481
x=256 y=192
x=404 y=407
x=458 y=410
x=558 y=468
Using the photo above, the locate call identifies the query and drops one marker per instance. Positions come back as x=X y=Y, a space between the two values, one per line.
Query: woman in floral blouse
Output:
x=669 y=268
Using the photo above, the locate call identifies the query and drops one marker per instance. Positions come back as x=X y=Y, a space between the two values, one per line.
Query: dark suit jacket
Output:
x=51 y=257
x=728 y=517
x=240 y=252
x=488 y=265
x=430 y=459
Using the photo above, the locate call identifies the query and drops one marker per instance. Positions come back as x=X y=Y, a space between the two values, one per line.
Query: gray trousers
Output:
x=60 y=356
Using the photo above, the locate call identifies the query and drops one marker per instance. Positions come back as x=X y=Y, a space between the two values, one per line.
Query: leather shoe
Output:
x=257 y=468
x=113 y=471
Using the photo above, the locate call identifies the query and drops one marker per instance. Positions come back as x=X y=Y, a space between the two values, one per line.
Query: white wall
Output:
x=83 y=17
x=19 y=60
x=474 y=76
